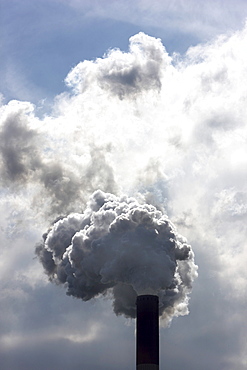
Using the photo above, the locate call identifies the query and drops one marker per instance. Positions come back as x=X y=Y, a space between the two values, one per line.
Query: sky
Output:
x=142 y=104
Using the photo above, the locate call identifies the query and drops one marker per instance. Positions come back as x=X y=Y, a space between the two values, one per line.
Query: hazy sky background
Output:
x=146 y=98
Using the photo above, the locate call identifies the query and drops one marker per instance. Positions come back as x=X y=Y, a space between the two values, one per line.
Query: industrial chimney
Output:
x=147 y=332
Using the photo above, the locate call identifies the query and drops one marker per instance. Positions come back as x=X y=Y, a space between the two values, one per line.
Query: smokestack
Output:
x=147 y=332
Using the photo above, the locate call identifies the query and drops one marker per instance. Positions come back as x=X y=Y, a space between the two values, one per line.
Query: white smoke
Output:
x=124 y=74
x=33 y=158
x=169 y=131
x=124 y=247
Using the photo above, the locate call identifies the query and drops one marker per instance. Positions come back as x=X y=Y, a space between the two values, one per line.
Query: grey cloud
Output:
x=26 y=160
x=19 y=154
x=121 y=244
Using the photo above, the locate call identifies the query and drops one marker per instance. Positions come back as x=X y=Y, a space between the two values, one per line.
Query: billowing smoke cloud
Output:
x=17 y=147
x=144 y=124
x=27 y=157
x=124 y=74
x=171 y=133
x=122 y=247
x=118 y=246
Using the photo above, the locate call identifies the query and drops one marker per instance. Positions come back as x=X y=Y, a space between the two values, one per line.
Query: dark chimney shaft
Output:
x=147 y=332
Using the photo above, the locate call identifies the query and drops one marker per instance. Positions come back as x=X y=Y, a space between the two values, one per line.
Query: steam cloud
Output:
x=28 y=157
x=111 y=244
x=169 y=131
x=124 y=74
x=123 y=247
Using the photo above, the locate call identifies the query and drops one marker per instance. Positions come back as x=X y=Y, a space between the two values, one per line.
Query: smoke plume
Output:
x=170 y=132
x=30 y=157
x=121 y=247
x=112 y=244
x=124 y=74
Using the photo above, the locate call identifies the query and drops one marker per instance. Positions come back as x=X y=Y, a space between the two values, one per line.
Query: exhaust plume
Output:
x=30 y=157
x=120 y=247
